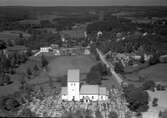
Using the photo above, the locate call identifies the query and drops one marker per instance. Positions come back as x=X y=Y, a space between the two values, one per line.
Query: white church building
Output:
x=75 y=91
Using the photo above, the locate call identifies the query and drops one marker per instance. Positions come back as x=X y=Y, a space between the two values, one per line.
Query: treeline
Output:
x=149 y=44
x=111 y=23
x=40 y=40
x=68 y=22
x=10 y=15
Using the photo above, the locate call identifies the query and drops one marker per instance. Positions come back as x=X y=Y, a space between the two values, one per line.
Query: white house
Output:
x=99 y=34
x=45 y=49
x=74 y=91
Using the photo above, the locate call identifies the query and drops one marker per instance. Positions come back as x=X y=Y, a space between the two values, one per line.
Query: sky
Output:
x=83 y=2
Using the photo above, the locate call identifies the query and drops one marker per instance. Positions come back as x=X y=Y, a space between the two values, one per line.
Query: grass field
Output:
x=157 y=73
x=58 y=67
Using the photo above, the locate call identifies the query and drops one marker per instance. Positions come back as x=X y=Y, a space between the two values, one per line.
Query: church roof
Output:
x=63 y=90
x=89 y=89
x=73 y=75
x=93 y=90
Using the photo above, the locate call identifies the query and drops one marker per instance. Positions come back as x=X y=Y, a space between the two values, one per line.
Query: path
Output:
x=110 y=66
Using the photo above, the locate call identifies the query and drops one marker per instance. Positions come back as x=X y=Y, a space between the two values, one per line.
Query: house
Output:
x=99 y=34
x=75 y=91
x=87 y=51
x=45 y=49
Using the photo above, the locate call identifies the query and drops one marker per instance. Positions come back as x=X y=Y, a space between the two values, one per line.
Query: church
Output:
x=75 y=91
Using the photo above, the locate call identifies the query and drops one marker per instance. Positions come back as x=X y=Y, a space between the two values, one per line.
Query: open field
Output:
x=156 y=73
x=58 y=67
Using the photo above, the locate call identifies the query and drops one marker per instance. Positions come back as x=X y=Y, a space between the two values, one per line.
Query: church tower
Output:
x=73 y=85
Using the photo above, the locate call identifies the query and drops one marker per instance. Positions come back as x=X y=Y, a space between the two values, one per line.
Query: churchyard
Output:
x=53 y=106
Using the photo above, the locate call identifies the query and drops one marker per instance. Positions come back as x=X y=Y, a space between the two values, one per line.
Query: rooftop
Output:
x=73 y=75
x=92 y=90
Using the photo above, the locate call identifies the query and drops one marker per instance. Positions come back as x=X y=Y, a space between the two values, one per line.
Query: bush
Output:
x=163 y=114
x=155 y=102
x=154 y=60
x=10 y=103
x=149 y=85
x=119 y=68
x=44 y=61
x=93 y=77
x=160 y=87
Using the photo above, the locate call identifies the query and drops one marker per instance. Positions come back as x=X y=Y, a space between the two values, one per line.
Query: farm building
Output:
x=74 y=91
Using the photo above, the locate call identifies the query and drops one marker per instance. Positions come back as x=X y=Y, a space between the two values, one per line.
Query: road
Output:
x=110 y=66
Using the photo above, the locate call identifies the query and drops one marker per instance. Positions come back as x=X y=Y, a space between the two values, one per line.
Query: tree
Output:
x=29 y=72
x=113 y=114
x=7 y=79
x=160 y=87
x=154 y=60
x=29 y=52
x=148 y=85
x=142 y=59
x=93 y=77
x=36 y=68
x=163 y=114
x=10 y=103
x=101 y=68
x=119 y=68
x=10 y=43
x=2 y=45
x=155 y=102
x=44 y=61
x=98 y=114
x=137 y=98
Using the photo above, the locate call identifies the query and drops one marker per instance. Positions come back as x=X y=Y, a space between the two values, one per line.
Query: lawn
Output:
x=58 y=67
x=156 y=73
